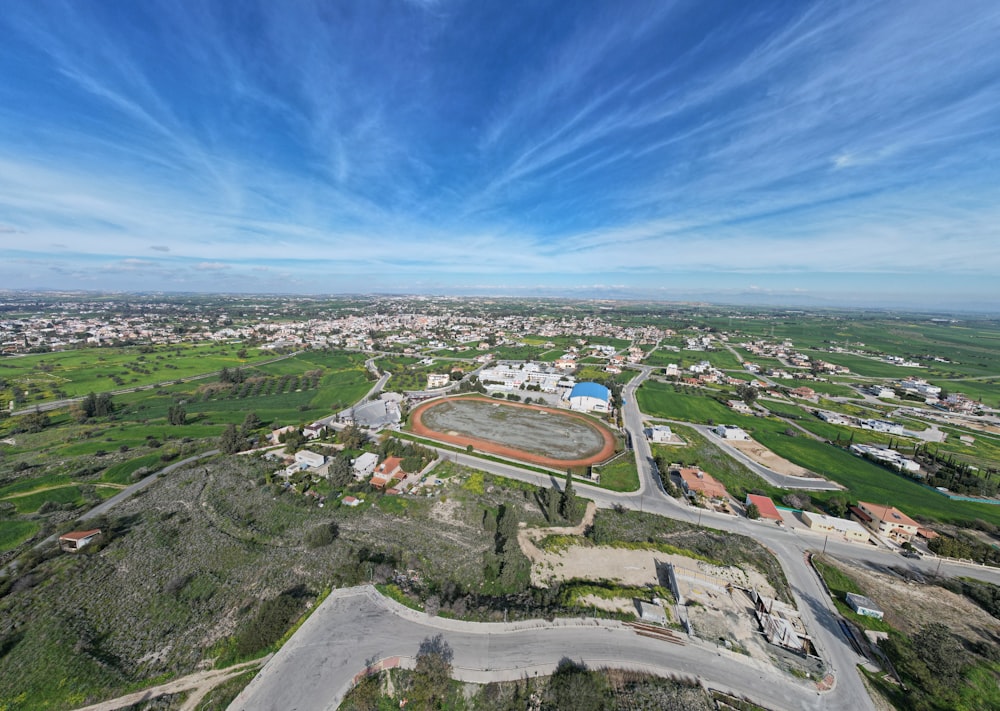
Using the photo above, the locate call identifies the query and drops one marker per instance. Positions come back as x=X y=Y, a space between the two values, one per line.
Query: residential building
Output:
x=740 y=407
x=821 y=523
x=387 y=471
x=832 y=417
x=887 y=520
x=886 y=426
x=309 y=460
x=365 y=465
x=766 y=507
x=731 y=432
x=695 y=481
x=659 y=434
x=437 y=380
x=76 y=540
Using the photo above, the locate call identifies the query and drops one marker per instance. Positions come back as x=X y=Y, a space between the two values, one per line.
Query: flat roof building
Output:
x=821 y=523
x=864 y=606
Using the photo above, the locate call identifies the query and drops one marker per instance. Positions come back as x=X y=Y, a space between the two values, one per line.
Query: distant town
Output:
x=682 y=477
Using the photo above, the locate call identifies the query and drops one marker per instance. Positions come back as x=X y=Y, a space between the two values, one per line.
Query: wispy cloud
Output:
x=450 y=143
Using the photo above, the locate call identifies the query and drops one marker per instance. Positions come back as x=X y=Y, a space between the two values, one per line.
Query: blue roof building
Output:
x=590 y=397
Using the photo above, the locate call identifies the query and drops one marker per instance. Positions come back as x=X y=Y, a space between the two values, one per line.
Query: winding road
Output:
x=356 y=627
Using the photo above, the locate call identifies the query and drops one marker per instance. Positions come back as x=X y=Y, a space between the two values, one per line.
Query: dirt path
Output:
x=198 y=684
x=526 y=537
x=104 y=485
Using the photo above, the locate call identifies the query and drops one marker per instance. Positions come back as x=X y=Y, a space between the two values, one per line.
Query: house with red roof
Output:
x=697 y=481
x=765 y=505
x=887 y=520
x=389 y=470
x=76 y=540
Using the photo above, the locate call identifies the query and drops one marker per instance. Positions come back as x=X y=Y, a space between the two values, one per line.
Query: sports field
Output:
x=539 y=435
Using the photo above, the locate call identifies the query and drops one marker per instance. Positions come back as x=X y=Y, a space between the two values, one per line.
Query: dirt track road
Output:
x=198 y=684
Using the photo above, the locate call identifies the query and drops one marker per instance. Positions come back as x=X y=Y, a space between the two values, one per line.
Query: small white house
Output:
x=731 y=432
x=309 y=460
x=659 y=434
x=365 y=465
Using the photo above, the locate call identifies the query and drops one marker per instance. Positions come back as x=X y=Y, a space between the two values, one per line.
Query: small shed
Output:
x=76 y=540
x=864 y=606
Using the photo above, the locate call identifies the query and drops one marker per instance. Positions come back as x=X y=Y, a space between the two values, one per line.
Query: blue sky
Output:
x=807 y=152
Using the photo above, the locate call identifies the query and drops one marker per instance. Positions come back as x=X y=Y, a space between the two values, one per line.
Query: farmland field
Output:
x=870 y=482
x=658 y=399
x=48 y=376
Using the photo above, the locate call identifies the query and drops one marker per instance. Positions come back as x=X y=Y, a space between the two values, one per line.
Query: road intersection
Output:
x=355 y=627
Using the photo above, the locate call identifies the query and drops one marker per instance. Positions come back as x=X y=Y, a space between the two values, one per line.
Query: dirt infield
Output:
x=490 y=446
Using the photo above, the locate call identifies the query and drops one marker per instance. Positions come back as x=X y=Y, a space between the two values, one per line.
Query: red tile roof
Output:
x=765 y=506
x=79 y=535
x=697 y=480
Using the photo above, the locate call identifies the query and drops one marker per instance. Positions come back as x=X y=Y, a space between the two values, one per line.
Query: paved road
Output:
x=354 y=626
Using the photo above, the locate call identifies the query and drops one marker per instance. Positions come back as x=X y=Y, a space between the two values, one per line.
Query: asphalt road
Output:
x=356 y=626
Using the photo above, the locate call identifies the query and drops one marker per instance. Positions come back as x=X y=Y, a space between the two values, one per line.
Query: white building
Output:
x=590 y=397
x=437 y=380
x=821 y=523
x=833 y=418
x=659 y=434
x=886 y=426
x=309 y=460
x=365 y=465
x=731 y=432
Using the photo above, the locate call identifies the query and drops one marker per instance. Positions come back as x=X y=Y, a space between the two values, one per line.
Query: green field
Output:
x=620 y=475
x=120 y=473
x=869 y=482
x=48 y=376
x=30 y=503
x=14 y=533
x=658 y=399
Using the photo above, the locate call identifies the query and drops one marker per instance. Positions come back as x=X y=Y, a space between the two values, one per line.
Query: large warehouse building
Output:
x=590 y=397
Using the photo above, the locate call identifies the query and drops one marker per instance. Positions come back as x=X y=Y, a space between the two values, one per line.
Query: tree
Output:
x=177 y=415
x=352 y=437
x=575 y=688
x=837 y=506
x=231 y=442
x=506 y=525
x=753 y=512
x=568 y=504
x=250 y=423
x=340 y=473
x=34 y=421
x=747 y=393
x=104 y=406
x=322 y=535
x=432 y=674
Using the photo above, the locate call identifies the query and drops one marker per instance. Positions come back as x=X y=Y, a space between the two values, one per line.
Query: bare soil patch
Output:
x=507 y=449
x=762 y=455
x=909 y=605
